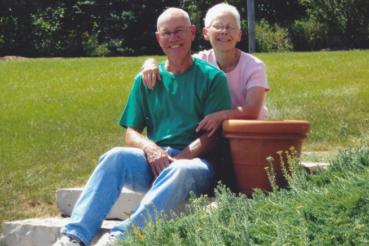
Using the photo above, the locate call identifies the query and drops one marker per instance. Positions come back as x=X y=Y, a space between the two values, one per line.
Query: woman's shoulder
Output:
x=249 y=58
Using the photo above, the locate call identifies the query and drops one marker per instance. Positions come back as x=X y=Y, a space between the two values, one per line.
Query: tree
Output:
x=345 y=22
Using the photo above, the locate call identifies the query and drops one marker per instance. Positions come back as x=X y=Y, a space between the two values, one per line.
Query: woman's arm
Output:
x=255 y=97
x=251 y=110
x=150 y=73
x=201 y=146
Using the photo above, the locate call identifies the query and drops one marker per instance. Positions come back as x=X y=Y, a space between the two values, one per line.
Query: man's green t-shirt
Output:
x=172 y=110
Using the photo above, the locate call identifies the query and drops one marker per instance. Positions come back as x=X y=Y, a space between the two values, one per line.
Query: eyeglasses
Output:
x=179 y=33
x=219 y=28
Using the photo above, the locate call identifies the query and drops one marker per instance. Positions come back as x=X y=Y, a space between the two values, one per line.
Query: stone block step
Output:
x=127 y=201
x=40 y=231
x=313 y=167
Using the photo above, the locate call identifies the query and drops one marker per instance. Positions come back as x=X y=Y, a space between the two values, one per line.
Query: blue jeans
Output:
x=128 y=167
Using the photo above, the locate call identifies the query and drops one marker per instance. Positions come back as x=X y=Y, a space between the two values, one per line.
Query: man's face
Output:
x=175 y=36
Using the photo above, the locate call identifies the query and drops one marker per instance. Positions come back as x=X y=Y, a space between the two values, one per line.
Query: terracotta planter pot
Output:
x=252 y=141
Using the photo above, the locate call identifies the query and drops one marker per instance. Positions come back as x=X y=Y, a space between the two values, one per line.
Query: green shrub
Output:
x=328 y=208
x=271 y=37
x=92 y=47
x=346 y=23
x=45 y=25
x=308 y=35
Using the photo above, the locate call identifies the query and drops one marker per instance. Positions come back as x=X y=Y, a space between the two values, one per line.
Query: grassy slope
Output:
x=58 y=115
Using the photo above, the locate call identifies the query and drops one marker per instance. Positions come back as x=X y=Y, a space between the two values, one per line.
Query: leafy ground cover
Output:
x=328 y=208
x=58 y=115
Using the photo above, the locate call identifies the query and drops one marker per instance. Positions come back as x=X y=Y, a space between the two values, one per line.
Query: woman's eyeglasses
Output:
x=227 y=28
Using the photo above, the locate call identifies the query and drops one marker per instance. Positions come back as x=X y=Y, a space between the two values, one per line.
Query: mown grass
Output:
x=58 y=115
x=330 y=89
x=328 y=208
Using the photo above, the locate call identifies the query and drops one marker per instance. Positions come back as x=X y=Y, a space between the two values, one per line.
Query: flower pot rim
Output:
x=266 y=126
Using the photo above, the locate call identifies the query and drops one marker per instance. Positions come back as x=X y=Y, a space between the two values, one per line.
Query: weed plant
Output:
x=328 y=208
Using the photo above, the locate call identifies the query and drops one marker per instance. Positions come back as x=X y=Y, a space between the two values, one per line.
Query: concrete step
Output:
x=127 y=201
x=40 y=231
x=313 y=167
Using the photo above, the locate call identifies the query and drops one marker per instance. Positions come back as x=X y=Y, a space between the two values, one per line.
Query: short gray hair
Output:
x=172 y=11
x=218 y=9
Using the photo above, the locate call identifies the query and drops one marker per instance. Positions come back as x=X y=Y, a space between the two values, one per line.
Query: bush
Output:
x=271 y=38
x=328 y=208
x=308 y=35
x=45 y=25
x=92 y=47
x=58 y=28
x=79 y=28
x=345 y=22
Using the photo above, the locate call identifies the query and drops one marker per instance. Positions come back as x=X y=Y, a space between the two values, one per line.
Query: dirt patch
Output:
x=12 y=58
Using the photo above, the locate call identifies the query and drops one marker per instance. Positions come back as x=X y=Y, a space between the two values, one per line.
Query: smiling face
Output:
x=175 y=35
x=223 y=32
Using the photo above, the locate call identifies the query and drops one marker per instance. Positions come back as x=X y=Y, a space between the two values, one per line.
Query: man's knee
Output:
x=191 y=175
x=119 y=157
x=186 y=169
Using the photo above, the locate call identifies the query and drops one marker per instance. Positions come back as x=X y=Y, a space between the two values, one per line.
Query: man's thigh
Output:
x=132 y=164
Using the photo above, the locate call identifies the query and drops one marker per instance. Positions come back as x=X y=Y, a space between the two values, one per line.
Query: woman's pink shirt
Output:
x=249 y=72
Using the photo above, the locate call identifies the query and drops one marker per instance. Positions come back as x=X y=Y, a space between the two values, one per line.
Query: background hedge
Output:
x=123 y=27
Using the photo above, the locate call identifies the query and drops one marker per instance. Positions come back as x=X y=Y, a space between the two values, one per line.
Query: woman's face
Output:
x=223 y=33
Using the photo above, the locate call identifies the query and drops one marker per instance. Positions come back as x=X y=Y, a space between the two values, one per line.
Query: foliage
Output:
x=79 y=28
x=117 y=27
x=308 y=34
x=345 y=23
x=279 y=12
x=271 y=38
x=329 y=208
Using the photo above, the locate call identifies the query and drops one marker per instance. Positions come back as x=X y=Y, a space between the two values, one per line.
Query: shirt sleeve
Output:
x=257 y=77
x=133 y=115
x=219 y=97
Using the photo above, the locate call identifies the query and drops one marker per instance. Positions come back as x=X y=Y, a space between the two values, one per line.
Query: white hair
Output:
x=219 y=9
x=172 y=12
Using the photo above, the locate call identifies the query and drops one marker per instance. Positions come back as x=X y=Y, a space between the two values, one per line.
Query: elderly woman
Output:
x=245 y=73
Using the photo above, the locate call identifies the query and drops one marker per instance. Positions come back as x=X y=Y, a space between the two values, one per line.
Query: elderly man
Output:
x=168 y=164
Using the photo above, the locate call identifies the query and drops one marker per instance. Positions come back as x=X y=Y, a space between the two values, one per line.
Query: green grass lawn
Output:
x=58 y=115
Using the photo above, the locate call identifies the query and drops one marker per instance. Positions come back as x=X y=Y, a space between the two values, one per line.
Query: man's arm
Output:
x=157 y=158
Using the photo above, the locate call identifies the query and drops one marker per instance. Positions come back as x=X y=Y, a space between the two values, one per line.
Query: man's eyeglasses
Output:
x=179 y=33
x=219 y=28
